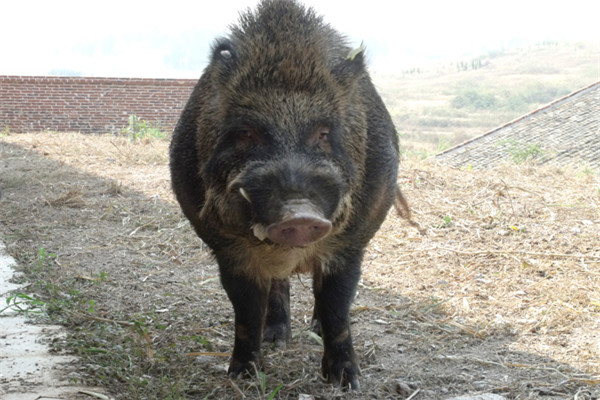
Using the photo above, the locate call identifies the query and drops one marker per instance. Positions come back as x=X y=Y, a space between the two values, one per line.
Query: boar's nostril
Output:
x=299 y=231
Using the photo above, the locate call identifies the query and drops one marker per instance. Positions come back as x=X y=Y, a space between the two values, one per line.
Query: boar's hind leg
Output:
x=277 y=325
x=249 y=301
x=334 y=293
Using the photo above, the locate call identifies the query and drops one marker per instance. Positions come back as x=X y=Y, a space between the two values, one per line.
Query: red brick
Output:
x=91 y=105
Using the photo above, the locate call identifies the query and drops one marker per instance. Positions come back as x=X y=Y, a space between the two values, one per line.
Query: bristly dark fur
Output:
x=285 y=117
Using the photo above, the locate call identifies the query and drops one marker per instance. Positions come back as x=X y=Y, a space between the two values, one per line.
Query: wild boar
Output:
x=285 y=160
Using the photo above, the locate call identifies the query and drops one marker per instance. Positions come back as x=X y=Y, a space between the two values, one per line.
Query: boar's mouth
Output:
x=301 y=224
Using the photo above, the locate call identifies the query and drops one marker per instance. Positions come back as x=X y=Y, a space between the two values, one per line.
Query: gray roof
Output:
x=566 y=131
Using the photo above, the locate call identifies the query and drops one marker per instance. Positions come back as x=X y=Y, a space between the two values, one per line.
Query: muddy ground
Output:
x=500 y=294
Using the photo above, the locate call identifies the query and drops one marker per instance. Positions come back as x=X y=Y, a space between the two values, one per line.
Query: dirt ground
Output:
x=500 y=293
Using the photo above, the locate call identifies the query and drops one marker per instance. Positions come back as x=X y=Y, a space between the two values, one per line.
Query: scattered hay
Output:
x=72 y=198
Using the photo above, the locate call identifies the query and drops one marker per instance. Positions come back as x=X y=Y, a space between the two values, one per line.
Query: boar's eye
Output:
x=319 y=138
x=246 y=137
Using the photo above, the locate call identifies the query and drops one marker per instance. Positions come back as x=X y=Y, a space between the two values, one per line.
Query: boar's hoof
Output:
x=277 y=333
x=343 y=373
x=238 y=368
x=299 y=231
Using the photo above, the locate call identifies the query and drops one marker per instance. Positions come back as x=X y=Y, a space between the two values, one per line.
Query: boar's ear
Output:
x=223 y=53
x=352 y=67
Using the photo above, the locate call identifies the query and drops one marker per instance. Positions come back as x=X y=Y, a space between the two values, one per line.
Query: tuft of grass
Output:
x=24 y=304
x=139 y=129
x=57 y=297
x=522 y=152
x=44 y=259
x=447 y=222
x=442 y=145
x=261 y=385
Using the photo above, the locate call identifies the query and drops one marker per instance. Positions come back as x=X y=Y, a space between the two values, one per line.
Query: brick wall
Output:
x=90 y=105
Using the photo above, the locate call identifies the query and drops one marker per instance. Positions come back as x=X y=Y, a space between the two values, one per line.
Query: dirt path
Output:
x=501 y=295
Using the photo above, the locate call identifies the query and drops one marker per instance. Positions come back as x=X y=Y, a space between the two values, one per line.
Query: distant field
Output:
x=440 y=105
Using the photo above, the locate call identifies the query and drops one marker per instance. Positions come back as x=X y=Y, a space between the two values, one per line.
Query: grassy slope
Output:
x=425 y=102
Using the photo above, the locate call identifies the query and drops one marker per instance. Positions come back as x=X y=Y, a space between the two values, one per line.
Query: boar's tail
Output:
x=403 y=210
x=401 y=205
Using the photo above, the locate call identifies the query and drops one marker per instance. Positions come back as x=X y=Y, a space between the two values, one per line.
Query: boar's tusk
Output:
x=245 y=195
x=260 y=231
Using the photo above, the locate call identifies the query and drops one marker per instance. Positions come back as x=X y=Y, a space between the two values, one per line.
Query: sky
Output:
x=171 y=39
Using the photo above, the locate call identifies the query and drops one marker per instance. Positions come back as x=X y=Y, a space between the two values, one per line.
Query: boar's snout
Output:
x=289 y=201
x=300 y=225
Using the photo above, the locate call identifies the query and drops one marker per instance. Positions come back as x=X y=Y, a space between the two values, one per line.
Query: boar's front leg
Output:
x=334 y=291
x=277 y=325
x=249 y=300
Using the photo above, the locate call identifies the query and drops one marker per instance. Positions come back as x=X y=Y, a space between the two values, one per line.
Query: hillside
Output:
x=440 y=105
